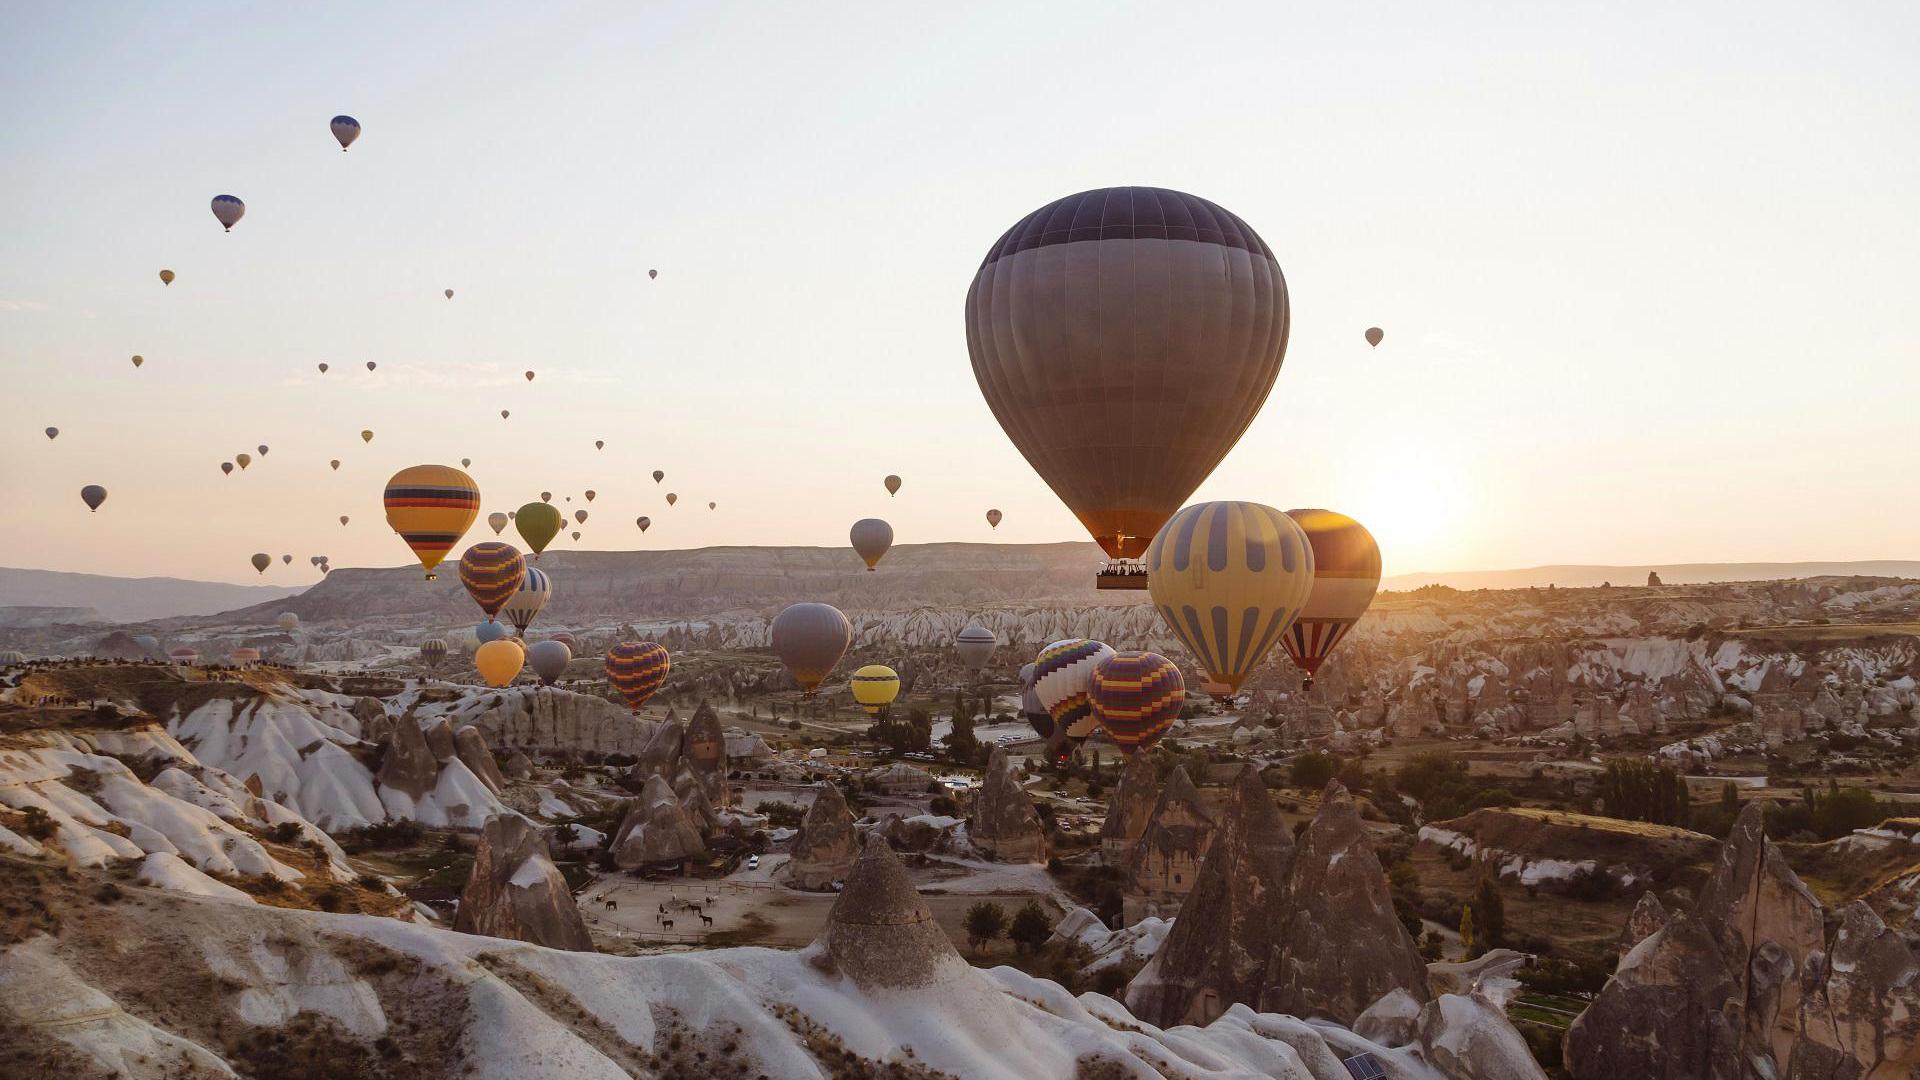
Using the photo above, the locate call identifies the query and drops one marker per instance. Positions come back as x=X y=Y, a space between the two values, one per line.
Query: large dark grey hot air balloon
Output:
x=1125 y=338
x=870 y=538
x=549 y=659
x=809 y=639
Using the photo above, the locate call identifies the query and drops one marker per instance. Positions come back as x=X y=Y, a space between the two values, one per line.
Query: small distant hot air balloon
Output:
x=651 y=274
x=499 y=662
x=993 y=519
x=227 y=467
x=892 y=484
x=529 y=376
x=228 y=210
x=658 y=476
x=166 y=277
x=599 y=444
x=371 y=365
x=546 y=496
x=449 y=294
x=53 y=433
x=465 y=461
x=262 y=560
x=1346 y=574
x=549 y=659
x=536 y=588
x=366 y=436
x=497 y=521
x=431 y=507
x=335 y=463
x=244 y=657
x=672 y=498
x=243 y=459
x=262 y=448
x=346 y=129
x=589 y=494
x=504 y=414
x=286 y=560
x=93 y=495
x=1229 y=578
x=871 y=538
x=138 y=359
x=538 y=523
x=492 y=572
x=1136 y=698
x=183 y=654
x=874 y=687
x=433 y=651
x=645 y=523
x=637 y=669
x=1374 y=334
x=343 y=519
x=974 y=646
x=713 y=506
x=810 y=639
x=288 y=620
x=576 y=534
x=580 y=516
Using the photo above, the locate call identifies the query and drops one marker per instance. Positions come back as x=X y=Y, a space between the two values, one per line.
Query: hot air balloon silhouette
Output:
x=366 y=436
x=335 y=463
x=371 y=365
x=138 y=359
x=228 y=210
x=227 y=467
x=1346 y=574
x=529 y=376
x=496 y=521
x=713 y=506
x=672 y=498
x=809 y=639
x=637 y=669
x=658 y=476
x=449 y=294
x=343 y=519
x=993 y=519
x=599 y=444
x=1125 y=338
x=286 y=560
x=492 y=572
x=651 y=274
x=262 y=560
x=465 y=461
x=504 y=414
x=546 y=496
x=870 y=538
x=892 y=484
x=580 y=516
x=346 y=129
x=166 y=277
x=243 y=459
x=93 y=495
x=1229 y=578
x=1374 y=335
x=323 y=369
x=643 y=522
x=431 y=507
x=53 y=433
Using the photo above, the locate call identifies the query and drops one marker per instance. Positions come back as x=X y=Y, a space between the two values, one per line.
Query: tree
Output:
x=1490 y=914
x=1466 y=928
x=1031 y=928
x=985 y=921
x=1312 y=770
x=1643 y=791
x=962 y=744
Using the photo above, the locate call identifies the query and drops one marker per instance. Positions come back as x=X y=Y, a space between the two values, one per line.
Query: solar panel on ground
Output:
x=1365 y=1067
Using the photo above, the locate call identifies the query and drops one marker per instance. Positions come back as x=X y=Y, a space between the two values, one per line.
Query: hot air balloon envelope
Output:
x=549 y=659
x=637 y=669
x=492 y=572
x=538 y=523
x=975 y=646
x=1136 y=698
x=346 y=129
x=499 y=662
x=228 y=210
x=1346 y=574
x=874 y=687
x=810 y=639
x=1228 y=579
x=536 y=588
x=93 y=495
x=870 y=538
x=431 y=507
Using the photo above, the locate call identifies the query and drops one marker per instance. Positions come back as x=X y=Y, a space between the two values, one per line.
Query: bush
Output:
x=1312 y=770
x=109 y=893
x=782 y=814
x=38 y=825
x=284 y=833
x=1031 y=928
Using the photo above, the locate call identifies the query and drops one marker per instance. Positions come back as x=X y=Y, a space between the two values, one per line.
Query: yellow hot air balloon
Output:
x=1229 y=578
x=431 y=507
x=1346 y=574
x=874 y=687
x=499 y=662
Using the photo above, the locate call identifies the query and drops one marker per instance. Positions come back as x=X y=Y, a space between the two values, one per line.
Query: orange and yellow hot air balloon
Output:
x=1346 y=574
x=431 y=507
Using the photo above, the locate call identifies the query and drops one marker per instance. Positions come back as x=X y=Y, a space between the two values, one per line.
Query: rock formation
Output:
x=551 y=720
x=516 y=892
x=1653 y=579
x=471 y=747
x=1648 y=916
x=1341 y=947
x=1743 y=984
x=656 y=829
x=1127 y=813
x=520 y=766
x=1218 y=950
x=1165 y=861
x=439 y=737
x=1004 y=824
x=706 y=743
x=825 y=848
x=408 y=764
x=880 y=933
x=661 y=755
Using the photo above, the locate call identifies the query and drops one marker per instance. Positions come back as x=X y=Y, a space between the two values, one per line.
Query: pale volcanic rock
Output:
x=1342 y=947
x=1165 y=862
x=1861 y=1004
x=440 y=741
x=827 y=844
x=1648 y=916
x=470 y=746
x=661 y=755
x=656 y=829
x=516 y=892
x=409 y=764
x=880 y=933
x=548 y=719
x=1004 y=825
x=706 y=744
x=1468 y=1037
x=1218 y=950
x=1127 y=813
x=519 y=766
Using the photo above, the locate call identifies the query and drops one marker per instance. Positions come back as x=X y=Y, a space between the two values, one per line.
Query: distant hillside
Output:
x=1581 y=577
x=117 y=599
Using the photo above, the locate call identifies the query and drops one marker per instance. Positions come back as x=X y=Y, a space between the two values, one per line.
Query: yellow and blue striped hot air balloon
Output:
x=637 y=669
x=492 y=572
x=1136 y=698
x=431 y=507
x=1346 y=574
x=874 y=687
x=1229 y=578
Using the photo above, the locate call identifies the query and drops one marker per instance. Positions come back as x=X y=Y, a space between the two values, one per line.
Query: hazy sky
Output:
x=1648 y=272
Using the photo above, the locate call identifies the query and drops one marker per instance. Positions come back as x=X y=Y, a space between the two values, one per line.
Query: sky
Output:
x=1647 y=272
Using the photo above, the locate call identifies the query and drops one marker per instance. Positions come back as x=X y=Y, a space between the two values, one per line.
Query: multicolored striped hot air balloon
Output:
x=433 y=651
x=492 y=572
x=1346 y=574
x=431 y=507
x=1062 y=676
x=874 y=687
x=535 y=590
x=1136 y=698
x=1228 y=579
x=638 y=669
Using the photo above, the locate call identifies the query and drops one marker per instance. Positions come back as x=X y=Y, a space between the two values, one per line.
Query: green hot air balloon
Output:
x=538 y=524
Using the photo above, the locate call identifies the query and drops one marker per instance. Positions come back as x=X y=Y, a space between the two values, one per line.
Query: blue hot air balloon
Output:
x=491 y=631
